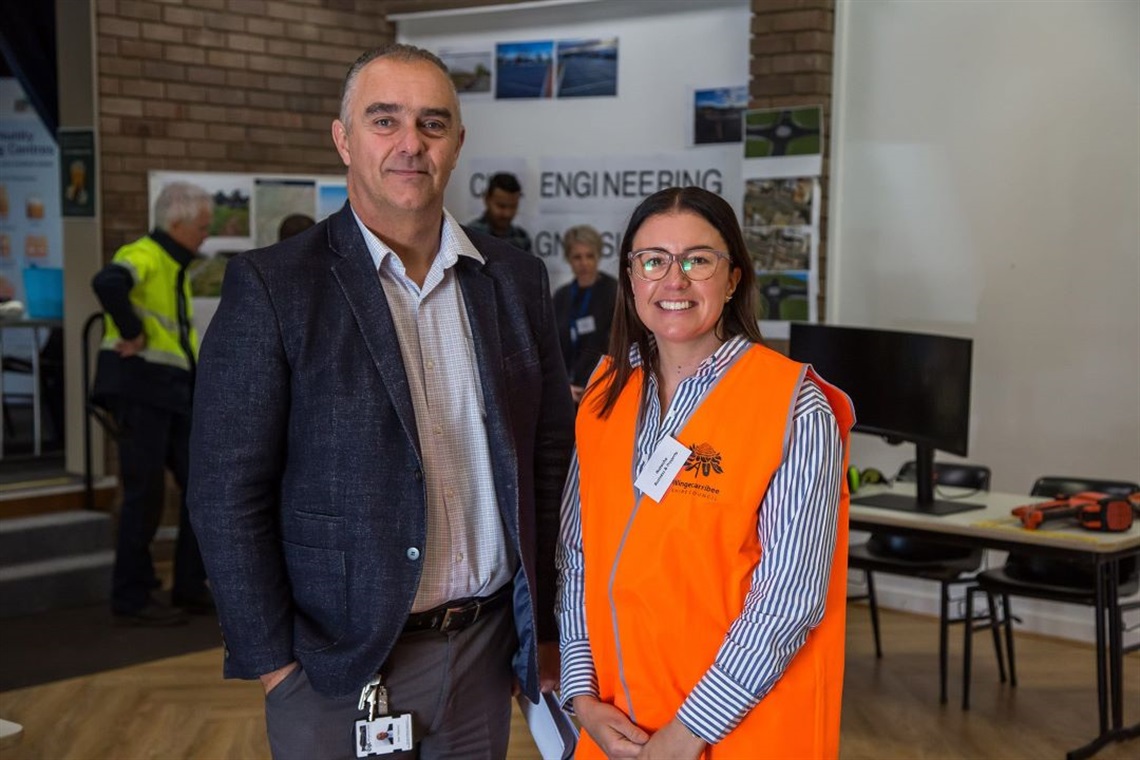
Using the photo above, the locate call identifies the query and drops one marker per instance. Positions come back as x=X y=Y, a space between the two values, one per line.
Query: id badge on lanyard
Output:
x=380 y=733
x=582 y=323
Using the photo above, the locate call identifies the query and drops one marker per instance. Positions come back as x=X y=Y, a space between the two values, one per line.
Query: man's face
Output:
x=501 y=208
x=190 y=235
x=402 y=138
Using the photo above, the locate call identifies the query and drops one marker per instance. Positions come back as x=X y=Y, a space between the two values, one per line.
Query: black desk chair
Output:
x=51 y=381
x=21 y=366
x=1055 y=580
x=92 y=410
x=947 y=564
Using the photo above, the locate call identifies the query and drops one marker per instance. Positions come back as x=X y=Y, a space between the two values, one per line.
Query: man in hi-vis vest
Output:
x=145 y=378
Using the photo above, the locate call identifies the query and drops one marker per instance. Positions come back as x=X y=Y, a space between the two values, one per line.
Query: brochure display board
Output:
x=783 y=160
x=31 y=236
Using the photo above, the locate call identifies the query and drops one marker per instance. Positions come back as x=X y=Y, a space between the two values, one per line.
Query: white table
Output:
x=993 y=527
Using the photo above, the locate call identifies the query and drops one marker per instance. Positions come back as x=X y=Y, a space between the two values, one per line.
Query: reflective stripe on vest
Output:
x=664 y=581
x=155 y=298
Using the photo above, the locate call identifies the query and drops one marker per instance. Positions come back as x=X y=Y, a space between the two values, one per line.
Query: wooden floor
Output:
x=179 y=708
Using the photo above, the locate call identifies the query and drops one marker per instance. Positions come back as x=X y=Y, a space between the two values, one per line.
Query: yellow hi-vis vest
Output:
x=155 y=300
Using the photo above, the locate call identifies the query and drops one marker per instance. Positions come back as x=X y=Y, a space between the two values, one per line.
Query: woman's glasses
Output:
x=653 y=264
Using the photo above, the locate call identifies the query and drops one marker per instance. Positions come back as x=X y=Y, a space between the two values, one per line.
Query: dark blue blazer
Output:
x=306 y=485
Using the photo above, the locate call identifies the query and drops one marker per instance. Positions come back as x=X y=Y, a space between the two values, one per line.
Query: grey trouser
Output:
x=457 y=687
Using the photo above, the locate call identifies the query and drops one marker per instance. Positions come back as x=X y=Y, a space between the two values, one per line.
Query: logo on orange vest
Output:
x=703 y=460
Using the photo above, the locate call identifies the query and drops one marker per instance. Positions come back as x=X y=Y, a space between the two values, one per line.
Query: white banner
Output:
x=574 y=185
x=601 y=191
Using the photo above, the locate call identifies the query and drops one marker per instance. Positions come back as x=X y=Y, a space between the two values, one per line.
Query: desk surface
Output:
x=992 y=524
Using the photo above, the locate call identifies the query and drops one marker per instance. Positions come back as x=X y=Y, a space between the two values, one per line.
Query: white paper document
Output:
x=552 y=729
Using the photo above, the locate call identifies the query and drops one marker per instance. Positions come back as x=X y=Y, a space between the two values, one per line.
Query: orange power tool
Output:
x=1093 y=511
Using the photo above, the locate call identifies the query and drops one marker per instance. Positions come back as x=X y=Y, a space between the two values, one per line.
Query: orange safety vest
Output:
x=664 y=581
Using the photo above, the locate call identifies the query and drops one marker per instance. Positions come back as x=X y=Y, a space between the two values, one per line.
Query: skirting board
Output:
x=1066 y=621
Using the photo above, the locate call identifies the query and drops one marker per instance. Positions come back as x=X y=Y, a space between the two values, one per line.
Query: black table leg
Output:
x=1115 y=643
x=1110 y=674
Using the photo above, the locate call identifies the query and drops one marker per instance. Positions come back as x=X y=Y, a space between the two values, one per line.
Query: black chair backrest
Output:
x=1052 y=486
x=976 y=476
x=90 y=410
x=973 y=476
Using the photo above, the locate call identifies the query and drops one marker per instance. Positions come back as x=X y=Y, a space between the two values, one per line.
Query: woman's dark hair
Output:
x=738 y=317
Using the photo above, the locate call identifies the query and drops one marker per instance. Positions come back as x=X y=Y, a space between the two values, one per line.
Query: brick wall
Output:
x=792 y=44
x=219 y=85
x=251 y=85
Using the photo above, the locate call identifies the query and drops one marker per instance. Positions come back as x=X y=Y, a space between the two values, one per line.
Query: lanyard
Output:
x=583 y=309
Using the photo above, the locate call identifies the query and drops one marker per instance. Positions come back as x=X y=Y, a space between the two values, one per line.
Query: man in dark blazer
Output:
x=381 y=434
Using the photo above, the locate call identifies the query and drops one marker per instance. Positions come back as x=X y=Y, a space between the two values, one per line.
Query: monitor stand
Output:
x=901 y=503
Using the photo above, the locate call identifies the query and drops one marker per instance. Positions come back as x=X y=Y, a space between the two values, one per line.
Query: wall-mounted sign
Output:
x=77 y=172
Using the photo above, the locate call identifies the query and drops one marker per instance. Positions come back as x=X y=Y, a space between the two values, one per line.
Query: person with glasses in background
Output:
x=702 y=554
x=584 y=307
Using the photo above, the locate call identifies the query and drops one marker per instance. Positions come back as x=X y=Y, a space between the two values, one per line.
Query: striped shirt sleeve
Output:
x=797 y=528
x=578 y=674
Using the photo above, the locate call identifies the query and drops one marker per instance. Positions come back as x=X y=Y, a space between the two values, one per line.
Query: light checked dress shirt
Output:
x=466 y=552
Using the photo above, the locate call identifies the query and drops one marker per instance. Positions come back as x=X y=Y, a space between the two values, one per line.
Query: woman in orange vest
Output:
x=704 y=524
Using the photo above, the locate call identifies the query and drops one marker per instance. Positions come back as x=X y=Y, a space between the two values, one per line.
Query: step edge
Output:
x=64 y=518
x=57 y=565
x=107 y=482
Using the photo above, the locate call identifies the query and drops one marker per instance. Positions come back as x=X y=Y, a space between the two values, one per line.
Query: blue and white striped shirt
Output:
x=789 y=585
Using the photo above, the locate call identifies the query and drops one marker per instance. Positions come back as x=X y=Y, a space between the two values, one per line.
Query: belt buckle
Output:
x=458 y=618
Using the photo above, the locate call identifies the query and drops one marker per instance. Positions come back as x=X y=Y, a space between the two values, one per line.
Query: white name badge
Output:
x=664 y=464
x=585 y=325
x=383 y=736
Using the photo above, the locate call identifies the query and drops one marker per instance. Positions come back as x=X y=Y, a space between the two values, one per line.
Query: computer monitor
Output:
x=905 y=386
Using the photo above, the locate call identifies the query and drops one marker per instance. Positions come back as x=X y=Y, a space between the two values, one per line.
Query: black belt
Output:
x=457 y=615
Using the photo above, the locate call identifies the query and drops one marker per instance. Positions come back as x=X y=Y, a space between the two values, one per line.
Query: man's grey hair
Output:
x=180 y=202
x=397 y=51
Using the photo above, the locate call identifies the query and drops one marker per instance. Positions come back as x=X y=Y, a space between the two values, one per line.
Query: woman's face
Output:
x=583 y=262
x=682 y=313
